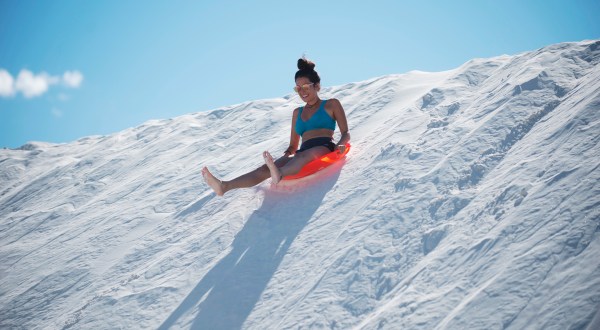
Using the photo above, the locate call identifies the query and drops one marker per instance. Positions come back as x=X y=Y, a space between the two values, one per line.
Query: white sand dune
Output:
x=470 y=200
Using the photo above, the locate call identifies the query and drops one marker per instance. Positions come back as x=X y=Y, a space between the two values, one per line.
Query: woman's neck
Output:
x=314 y=103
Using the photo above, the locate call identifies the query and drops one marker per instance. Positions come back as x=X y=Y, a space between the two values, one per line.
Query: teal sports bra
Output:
x=320 y=119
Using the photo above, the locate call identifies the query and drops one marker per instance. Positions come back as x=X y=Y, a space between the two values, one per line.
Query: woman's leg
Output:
x=249 y=179
x=295 y=164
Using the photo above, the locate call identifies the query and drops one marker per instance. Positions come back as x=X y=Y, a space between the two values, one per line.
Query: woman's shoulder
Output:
x=333 y=103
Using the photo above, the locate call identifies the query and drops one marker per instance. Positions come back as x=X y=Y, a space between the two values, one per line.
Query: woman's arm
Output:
x=294 y=137
x=340 y=116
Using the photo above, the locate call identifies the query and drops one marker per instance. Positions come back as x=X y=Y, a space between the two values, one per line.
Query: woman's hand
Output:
x=290 y=151
x=341 y=145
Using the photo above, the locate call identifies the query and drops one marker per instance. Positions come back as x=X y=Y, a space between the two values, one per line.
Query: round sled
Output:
x=319 y=164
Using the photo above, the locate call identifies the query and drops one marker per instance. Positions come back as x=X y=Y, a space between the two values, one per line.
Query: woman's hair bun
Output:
x=306 y=69
x=305 y=65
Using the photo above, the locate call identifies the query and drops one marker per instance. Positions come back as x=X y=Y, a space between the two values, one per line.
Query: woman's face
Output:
x=306 y=90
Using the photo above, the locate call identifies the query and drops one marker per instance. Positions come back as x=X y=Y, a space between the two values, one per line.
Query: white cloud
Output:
x=63 y=97
x=57 y=112
x=32 y=85
x=6 y=84
x=73 y=79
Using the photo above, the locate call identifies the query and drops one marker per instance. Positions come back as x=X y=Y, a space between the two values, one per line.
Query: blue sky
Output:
x=109 y=65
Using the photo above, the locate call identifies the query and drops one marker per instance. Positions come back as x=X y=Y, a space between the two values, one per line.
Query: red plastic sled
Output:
x=319 y=164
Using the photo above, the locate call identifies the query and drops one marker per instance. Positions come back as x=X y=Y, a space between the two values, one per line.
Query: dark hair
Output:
x=306 y=69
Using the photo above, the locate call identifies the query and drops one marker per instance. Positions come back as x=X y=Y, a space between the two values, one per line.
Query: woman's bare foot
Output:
x=213 y=182
x=275 y=172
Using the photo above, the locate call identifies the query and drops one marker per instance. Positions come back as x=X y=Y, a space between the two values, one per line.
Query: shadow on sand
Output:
x=228 y=292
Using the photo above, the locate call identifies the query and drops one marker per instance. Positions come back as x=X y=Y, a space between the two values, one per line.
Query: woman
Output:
x=315 y=123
